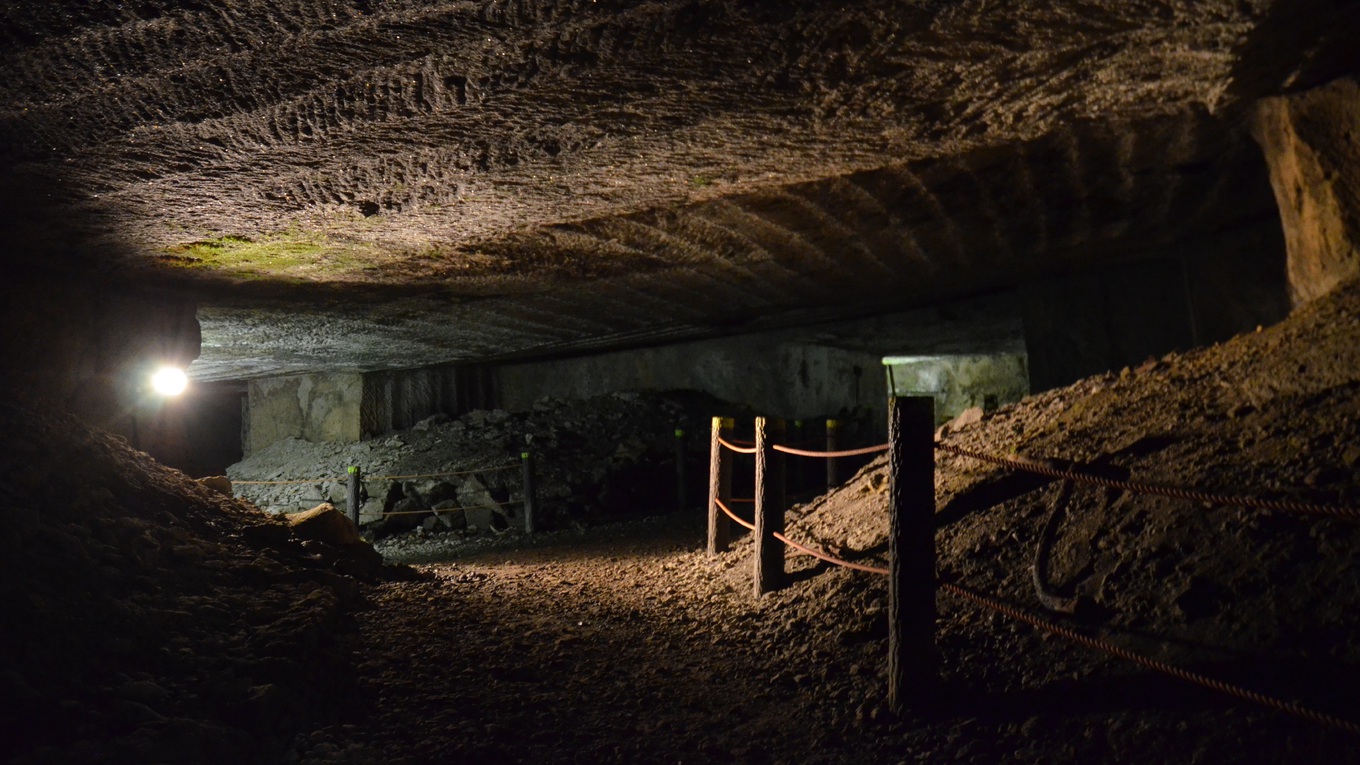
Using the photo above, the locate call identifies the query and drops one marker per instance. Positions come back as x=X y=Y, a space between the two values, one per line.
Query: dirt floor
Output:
x=150 y=620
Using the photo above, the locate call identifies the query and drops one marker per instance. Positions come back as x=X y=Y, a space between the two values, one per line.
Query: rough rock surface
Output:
x=509 y=168
x=1312 y=143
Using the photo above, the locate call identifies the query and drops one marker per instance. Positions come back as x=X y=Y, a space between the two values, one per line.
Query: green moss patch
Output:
x=290 y=255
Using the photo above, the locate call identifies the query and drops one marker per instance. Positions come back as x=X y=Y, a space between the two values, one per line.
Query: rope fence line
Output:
x=1180 y=673
x=496 y=469
x=1136 y=487
x=901 y=505
x=737 y=449
x=831 y=455
x=828 y=558
x=377 y=477
x=1043 y=625
x=432 y=511
x=299 y=482
x=733 y=516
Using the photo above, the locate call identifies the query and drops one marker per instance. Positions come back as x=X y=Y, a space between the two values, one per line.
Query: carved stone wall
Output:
x=1312 y=142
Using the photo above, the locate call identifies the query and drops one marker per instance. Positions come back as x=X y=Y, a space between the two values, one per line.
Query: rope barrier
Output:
x=281 y=483
x=828 y=455
x=492 y=506
x=733 y=515
x=1094 y=643
x=378 y=477
x=1186 y=675
x=438 y=475
x=1288 y=707
x=1163 y=491
x=829 y=559
x=735 y=448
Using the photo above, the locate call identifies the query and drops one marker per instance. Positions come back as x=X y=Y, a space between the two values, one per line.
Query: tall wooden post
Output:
x=681 y=501
x=832 y=479
x=912 y=659
x=719 y=486
x=769 y=552
x=529 y=499
x=353 y=493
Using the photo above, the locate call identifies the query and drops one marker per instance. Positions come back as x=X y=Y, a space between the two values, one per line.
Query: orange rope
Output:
x=828 y=558
x=428 y=511
x=733 y=515
x=1163 y=491
x=438 y=475
x=735 y=448
x=846 y=453
x=376 y=477
x=1288 y=707
x=281 y=483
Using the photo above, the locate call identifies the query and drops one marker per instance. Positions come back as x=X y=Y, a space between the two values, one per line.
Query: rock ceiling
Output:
x=352 y=184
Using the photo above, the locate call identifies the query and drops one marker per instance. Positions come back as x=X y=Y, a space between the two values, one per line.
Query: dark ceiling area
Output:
x=347 y=184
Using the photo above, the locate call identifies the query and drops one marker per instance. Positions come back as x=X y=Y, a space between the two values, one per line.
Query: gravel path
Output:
x=628 y=646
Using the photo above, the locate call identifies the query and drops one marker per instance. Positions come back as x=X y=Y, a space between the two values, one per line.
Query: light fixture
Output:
x=169 y=381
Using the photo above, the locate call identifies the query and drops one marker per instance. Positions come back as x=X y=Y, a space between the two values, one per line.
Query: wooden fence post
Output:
x=769 y=552
x=719 y=486
x=353 y=494
x=912 y=657
x=528 y=459
x=681 y=501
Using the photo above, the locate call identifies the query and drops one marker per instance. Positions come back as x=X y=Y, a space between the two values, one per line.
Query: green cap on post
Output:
x=353 y=469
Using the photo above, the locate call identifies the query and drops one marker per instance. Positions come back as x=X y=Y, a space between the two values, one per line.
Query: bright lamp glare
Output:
x=169 y=381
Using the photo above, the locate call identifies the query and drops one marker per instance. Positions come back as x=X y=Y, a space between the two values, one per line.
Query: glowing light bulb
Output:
x=169 y=381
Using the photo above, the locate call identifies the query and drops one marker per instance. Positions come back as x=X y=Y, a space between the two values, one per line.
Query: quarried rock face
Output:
x=1312 y=142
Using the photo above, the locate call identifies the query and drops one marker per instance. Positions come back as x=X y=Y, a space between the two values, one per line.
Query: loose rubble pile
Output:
x=606 y=457
x=149 y=618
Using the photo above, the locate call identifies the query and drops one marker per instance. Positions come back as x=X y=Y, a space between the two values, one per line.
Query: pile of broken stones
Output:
x=604 y=458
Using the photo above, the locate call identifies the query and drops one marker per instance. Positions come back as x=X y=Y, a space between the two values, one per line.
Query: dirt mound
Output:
x=1269 y=600
x=148 y=618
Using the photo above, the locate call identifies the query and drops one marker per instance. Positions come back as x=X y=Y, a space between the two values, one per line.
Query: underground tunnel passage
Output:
x=503 y=321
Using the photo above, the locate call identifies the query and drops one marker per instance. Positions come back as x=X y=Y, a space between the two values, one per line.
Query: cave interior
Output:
x=344 y=217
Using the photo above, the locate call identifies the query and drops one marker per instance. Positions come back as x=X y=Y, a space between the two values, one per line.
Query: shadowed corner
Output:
x=79 y=333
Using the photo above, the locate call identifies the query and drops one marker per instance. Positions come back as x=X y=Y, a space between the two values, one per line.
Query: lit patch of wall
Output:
x=959 y=383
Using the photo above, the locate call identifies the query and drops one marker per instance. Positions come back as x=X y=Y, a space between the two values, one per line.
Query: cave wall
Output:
x=398 y=399
x=1179 y=296
x=959 y=383
x=768 y=372
x=319 y=407
x=1311 y=141
x=346 y=407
